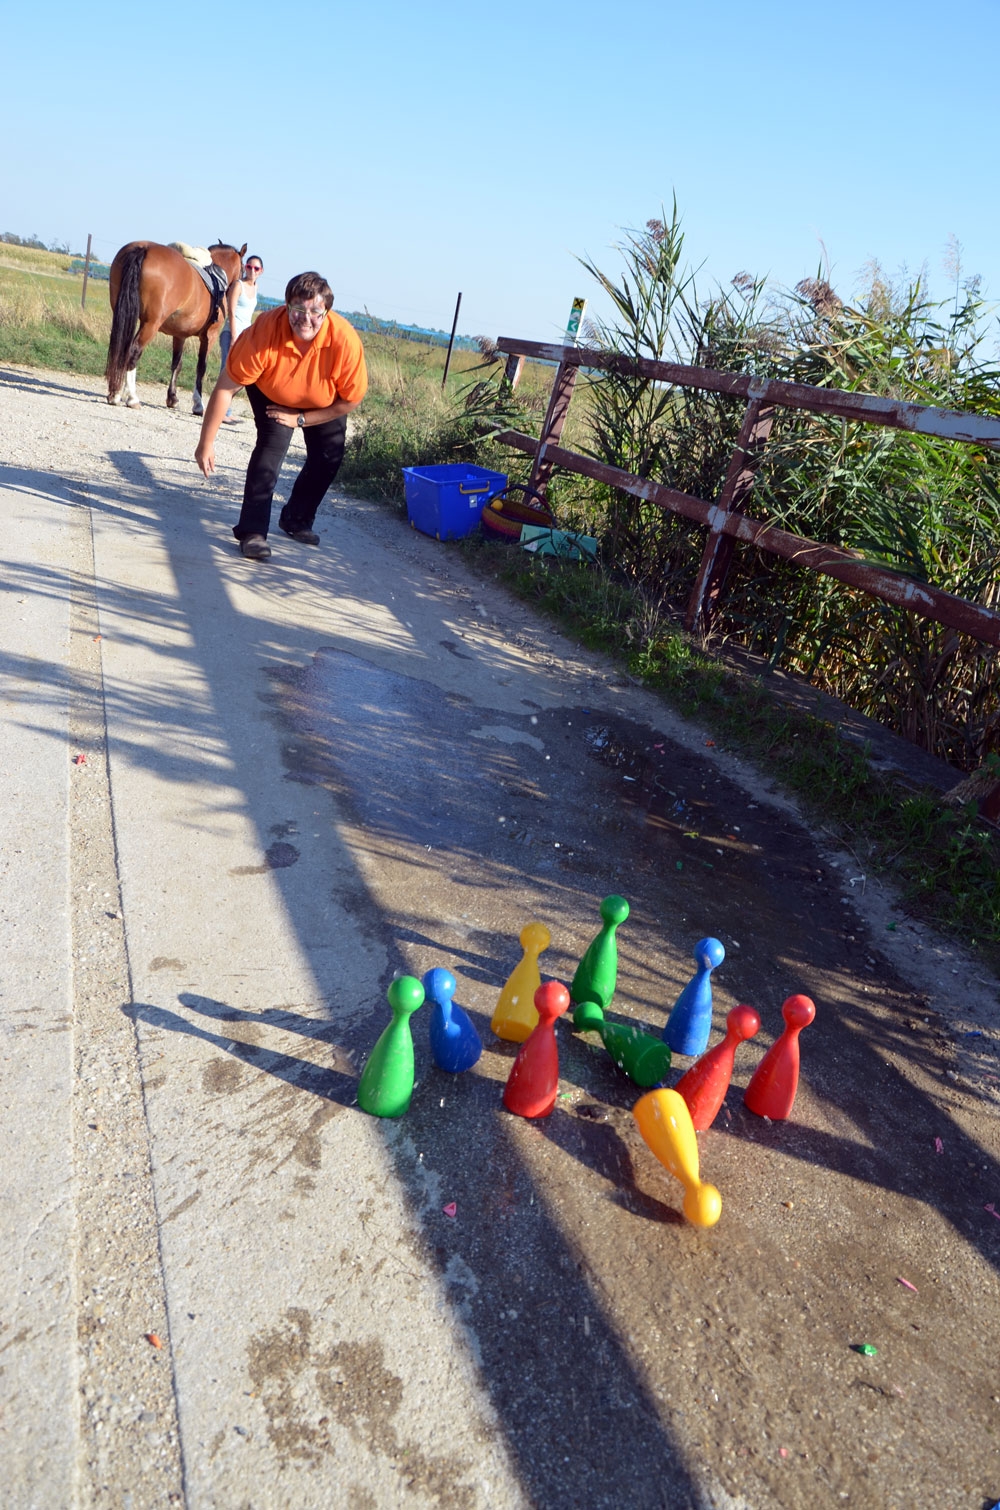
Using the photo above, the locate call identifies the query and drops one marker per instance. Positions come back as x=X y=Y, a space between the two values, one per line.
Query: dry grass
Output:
x=28 y=305
x=32 y=260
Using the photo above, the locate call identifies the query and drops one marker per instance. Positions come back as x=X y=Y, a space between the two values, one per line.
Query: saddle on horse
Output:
x=210 y=273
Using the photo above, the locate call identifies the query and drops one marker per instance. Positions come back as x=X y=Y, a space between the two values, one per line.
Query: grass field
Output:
x=43 y=325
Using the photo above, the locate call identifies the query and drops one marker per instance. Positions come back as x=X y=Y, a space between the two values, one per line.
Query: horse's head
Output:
x=228 y=258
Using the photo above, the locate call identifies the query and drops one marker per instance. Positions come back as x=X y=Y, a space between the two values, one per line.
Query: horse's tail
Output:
x=125 y=319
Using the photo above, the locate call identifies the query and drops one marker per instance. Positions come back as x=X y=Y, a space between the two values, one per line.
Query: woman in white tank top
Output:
x=241 y=302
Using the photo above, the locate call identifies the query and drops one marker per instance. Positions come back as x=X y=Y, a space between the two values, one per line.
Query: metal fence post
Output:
x=454 y=327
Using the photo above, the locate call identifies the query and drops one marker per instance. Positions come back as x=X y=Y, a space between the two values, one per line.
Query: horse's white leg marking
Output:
x=133 y=401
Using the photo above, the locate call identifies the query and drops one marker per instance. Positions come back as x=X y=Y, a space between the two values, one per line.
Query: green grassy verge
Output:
x=945 y=863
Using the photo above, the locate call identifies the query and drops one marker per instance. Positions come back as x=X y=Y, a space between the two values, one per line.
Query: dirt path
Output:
x=362 y=760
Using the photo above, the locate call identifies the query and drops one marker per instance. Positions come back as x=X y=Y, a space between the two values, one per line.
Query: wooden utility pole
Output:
x=454 y=327
x=86 y=274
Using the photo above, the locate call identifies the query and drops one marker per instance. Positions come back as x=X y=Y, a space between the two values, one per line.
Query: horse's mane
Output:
x=222 y=246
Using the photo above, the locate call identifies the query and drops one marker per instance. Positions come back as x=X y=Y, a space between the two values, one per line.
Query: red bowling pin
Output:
x=771 y=1092
x=534 y=1078
x=705 y=1084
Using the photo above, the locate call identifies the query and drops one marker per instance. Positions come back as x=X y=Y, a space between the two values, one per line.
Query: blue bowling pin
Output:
x=455 y=1043
x=690 y=1021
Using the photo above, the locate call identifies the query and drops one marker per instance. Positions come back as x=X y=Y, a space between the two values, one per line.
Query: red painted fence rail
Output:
x=724 y=518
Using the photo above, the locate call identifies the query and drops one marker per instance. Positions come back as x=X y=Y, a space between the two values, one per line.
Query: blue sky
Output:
x=409 y=152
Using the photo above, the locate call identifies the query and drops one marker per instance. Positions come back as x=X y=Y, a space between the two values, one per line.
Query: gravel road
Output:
x=300 y=779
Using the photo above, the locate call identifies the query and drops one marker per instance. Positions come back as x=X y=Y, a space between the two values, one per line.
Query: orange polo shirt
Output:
x=307 y=376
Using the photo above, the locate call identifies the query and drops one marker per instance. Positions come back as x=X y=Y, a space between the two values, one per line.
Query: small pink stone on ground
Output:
x=451 y=1209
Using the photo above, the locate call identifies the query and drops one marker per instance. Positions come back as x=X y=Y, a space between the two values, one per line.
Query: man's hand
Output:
x=289 y=417
x=217 y=405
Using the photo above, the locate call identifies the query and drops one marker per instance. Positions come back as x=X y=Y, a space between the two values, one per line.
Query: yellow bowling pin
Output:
x=665 y=1124
x=515 y=1017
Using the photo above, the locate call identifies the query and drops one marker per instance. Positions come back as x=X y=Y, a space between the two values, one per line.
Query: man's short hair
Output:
x=309 y=286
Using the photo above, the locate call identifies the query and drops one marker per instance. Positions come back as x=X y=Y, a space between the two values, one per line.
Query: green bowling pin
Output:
x=643 y=1058
x=386 y=1083
x=597 y=973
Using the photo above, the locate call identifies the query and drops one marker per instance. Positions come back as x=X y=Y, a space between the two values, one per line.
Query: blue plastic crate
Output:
x=446 y=501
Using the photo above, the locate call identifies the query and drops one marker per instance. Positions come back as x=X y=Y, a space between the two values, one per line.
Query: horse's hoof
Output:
x=198 y=413
x=134 y=403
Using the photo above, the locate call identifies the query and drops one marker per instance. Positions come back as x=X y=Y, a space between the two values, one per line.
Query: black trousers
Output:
x=324 y=453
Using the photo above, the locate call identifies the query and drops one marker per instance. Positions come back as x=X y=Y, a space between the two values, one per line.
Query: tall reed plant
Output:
x=925 y=507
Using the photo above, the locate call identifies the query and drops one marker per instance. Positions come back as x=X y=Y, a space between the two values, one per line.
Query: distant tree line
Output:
x=37 y=244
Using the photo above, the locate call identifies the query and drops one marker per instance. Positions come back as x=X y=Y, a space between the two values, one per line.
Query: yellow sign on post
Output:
x=575 y=321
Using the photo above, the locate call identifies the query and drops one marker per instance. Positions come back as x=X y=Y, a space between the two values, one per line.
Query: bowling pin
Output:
x=534 y=1078
x=665 y=1124
x=771 y=1092
x=705 y=1084
x=514 y=1017
x=455 y=1044
x=643 y=1058
x=386 y=1083
x=597 y=973
x=690 y=1021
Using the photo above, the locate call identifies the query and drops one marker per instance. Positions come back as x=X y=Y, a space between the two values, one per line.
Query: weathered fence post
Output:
x=86 y=274
x=512 y=371
x=989 y=806
x=718 y=553
x=555 y=418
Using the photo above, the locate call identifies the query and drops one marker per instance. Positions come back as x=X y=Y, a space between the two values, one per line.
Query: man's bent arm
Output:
x=290 y=417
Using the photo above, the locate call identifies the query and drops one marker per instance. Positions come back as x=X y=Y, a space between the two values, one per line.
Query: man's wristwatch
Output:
x=301 y=421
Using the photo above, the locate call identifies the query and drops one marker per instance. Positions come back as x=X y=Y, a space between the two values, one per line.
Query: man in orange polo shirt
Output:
x=303 y=367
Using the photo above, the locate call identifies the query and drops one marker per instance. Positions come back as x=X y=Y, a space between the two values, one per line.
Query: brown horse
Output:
x=155 y=288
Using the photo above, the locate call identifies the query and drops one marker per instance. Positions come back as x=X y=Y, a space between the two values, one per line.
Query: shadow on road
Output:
x=403 y=761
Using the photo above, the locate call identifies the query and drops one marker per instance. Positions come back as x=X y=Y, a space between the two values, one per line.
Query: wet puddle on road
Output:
x=594 y=803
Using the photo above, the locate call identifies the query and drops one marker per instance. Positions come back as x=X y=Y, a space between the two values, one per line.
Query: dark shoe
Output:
x=304 y=537
x=255 y=548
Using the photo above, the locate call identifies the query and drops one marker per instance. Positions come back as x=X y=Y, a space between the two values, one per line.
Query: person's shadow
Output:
x=336 y=1081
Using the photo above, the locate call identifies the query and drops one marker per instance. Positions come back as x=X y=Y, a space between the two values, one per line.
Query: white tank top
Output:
x=246 y=303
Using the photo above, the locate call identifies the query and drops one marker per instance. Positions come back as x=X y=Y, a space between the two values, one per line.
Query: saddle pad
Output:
x=199 y=255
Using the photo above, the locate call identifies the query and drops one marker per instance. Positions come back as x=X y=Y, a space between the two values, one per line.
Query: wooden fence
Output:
x=724 y=517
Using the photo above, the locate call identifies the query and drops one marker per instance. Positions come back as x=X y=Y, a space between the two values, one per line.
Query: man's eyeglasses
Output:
x=299 y=312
